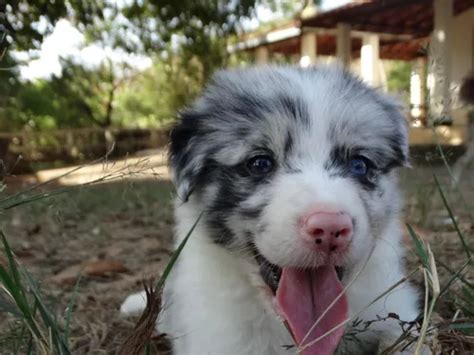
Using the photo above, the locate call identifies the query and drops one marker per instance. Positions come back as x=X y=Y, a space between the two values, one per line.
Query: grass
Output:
x=142 y=332
x=26 y=304
x=47 y=322
x=40 y=322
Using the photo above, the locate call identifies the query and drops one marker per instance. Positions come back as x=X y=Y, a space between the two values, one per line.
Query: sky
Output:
x=67 y=41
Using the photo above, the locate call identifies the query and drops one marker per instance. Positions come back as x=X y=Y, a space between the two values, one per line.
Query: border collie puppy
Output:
x=294 y=172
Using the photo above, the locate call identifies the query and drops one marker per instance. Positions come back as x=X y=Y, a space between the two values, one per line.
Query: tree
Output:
x=9 y=87
x=78 y=97
x=192 y=29
x=87 y=95
x=153 y=96
x=26 y=22
x=199 y=27
x=399 y=76
x=23 y=25
x=188 y=38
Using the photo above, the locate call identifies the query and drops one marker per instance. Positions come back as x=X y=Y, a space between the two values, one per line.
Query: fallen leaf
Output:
x=102 y=268
x=24 y=253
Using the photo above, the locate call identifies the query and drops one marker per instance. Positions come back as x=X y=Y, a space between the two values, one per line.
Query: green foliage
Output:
x=27 y=304
x=398 y=78
x=188 y=40
x=196 y=30
x=86 y=96
x=159 y=20
x=103 y=96
x=35 y=106
x=154 y=96
x=26 y=22
x=9 y=87
x=78 y=97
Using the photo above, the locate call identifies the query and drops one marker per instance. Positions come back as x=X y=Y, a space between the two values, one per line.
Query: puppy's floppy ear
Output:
x=397 y=135
x=185 y=159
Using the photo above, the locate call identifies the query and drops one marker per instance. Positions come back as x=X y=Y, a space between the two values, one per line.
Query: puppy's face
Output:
x=297 y=163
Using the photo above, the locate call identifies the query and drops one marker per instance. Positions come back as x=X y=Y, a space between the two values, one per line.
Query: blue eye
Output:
x=260 y=165
x=358 y=166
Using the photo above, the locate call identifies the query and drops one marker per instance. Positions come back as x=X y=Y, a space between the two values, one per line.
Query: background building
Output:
x=435 y=36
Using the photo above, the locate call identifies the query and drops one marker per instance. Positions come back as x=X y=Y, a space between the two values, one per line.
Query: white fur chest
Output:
x=213 y=305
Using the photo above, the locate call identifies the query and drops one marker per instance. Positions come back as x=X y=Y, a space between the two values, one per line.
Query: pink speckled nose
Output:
x=327 y=231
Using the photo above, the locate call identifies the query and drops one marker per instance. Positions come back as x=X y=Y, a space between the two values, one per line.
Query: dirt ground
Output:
x=119 y=232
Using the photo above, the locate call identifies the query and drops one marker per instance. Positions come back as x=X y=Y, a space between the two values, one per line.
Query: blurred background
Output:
x=78 y=75
x=90 y=89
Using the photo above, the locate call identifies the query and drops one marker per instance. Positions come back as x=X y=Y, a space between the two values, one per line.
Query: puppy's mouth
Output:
x=271 y=273
x=311 y=302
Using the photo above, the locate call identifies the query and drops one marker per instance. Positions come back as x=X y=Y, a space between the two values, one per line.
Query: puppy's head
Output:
x=297 y=163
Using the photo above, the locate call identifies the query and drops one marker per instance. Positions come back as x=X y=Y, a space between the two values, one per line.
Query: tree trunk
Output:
x=109 y=104
x=109 y=107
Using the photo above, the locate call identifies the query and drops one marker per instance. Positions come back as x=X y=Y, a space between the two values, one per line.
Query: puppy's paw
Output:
x=133 y=304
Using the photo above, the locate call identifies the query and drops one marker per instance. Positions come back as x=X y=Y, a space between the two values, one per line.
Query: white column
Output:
x=417 y=90
x=369 y=59
x=308 y=49
x=439 y=78
x=261 y=55
x=343 y=44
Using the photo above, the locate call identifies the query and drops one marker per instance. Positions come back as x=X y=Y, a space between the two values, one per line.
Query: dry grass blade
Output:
x=454 y=182
x=139 y=168
x=42 y=333
x=434 y=273
x=328 y=308
x=456 y=276
x=456 y=340
x=431 y=278
x=145 y=326
x=72 y=171
x=453 y=219
x=386 y=292
x=143 y=330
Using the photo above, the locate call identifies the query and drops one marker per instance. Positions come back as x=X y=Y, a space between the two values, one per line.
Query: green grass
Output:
x=24 y=302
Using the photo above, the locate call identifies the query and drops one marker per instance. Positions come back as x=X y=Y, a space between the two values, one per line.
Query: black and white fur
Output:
x=311 y=121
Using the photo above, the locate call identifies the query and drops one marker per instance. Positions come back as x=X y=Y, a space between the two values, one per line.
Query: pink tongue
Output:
x=303 y=295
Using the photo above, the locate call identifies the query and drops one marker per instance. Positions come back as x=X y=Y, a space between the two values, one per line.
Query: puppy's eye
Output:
x=260 y=165
x=359 y=166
